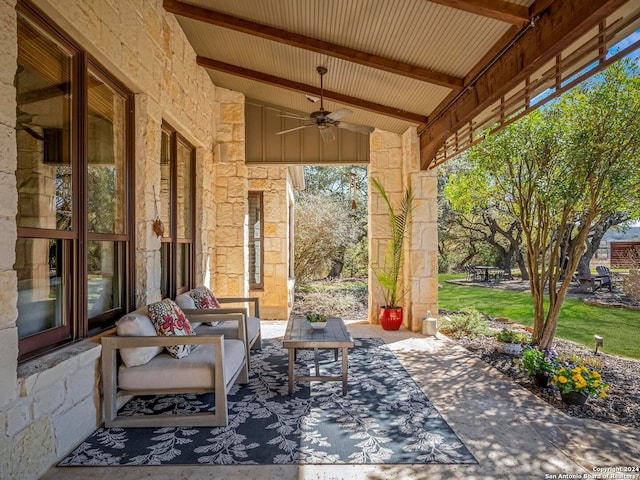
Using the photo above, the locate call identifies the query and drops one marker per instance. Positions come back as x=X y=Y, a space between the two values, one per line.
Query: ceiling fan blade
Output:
x=355 y=127
x=327 y=134
x=293 y=129
x=292 y=115
x=338 y=114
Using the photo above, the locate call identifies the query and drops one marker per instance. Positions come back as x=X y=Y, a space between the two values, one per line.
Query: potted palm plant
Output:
x=390 y=314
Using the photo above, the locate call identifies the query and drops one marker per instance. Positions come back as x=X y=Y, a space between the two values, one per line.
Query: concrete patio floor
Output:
x=512 y=433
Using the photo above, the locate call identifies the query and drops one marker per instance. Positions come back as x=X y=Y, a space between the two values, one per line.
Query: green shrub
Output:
x=509 y=336
x=467 y=323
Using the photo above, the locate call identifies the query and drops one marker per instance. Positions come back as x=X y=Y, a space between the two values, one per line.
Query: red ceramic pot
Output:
x=390 y=317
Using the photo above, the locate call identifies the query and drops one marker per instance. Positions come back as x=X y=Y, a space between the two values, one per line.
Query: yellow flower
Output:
x=595 y=374
x=577 y=377
x=581 y=383
x=596 y=383
x=585 y=369
x=602 y=394
x=562 y=379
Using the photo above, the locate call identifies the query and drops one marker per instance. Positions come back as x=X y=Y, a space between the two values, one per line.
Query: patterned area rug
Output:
x=384 y=418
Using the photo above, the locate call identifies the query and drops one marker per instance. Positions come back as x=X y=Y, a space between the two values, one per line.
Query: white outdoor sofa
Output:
x=134 y=362
x=228 y=329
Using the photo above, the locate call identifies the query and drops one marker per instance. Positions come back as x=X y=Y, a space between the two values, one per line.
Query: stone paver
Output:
x=512 y=433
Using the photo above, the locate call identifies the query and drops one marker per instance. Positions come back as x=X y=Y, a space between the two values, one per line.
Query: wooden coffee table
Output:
x=299 y=334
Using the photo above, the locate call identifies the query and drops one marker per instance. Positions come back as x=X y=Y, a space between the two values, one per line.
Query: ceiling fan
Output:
x=323 y=119
x=24 y=121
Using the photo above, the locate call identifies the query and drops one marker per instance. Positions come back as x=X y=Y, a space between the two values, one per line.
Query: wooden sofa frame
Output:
x=210 y=315
x=112 y=343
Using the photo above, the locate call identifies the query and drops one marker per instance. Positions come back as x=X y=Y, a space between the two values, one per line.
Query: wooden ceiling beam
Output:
x=312 y=44
x=497 y=9
x=558 y=26
x=311 y=90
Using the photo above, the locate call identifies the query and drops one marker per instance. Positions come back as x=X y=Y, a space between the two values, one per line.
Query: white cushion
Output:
x=230 y=329
x=185 y=301
x=193 y=371
x=137 y=324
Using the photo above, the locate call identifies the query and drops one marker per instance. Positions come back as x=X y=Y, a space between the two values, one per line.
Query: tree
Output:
x=336 y=184
x=322 y=229
x=483 y=216
x=560 y=169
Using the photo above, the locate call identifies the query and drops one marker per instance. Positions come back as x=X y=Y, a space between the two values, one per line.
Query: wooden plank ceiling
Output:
x=449 y=67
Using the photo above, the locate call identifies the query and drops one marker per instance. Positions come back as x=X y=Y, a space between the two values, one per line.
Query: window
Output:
x=74 y=143
x=256 y=241
x=177 y=206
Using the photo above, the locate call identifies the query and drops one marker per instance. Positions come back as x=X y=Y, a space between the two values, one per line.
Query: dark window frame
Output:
x=257 y=286
x=74 y=240
x=172 y=285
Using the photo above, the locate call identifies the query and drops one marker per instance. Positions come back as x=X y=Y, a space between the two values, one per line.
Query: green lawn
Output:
x=620 y=328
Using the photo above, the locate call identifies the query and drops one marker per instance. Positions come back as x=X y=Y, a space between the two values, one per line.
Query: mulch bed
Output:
x=622 y=404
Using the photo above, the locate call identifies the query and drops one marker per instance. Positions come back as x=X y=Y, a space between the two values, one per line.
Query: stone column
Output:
x=230 y=238
x=395 y=162
x=421 y=247
x=272 y=182
x=8 y=208
x=147 y=244
x=386 y=166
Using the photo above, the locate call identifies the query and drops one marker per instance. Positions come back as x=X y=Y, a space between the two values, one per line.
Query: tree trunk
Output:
x=604 y=223
x=522 y=265
x=337 y=264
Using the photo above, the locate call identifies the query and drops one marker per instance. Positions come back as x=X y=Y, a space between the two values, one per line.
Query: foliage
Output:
x=478 y=223
x=510 y=336
x=631 y=285
x=558 y=170
x=466 y=323
x=534 y=361
x=322 y=229
x=388 y=275
x=334 y=298
x=578 y=321
x=337 y=184
x=316 y=317
x=579 y=378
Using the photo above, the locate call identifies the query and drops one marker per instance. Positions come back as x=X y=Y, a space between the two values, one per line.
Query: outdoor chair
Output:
x=139 y=360
x=605 y=276
x=473 y=273
x=200 y=305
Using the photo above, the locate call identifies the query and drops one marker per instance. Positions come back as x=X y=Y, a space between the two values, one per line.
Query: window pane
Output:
x=183 y=191
x=164 y=200
x=255 y=239
x=254 y=216
x=255 y=262
x=43 y=130
x=106 y=154
x=40 y=266
x=164 y=269
x=104 y=280
x=183 y=266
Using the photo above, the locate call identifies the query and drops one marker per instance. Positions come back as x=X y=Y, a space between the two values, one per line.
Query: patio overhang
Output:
x=451 y=68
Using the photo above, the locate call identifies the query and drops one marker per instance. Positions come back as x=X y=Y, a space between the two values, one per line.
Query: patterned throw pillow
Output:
x=204 y=298
x=169 y=320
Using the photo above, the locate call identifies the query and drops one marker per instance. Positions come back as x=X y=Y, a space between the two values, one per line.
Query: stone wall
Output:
x=395 y=162
x=229 y=239
x=421 y=252
x=49 y=405
x=273 y=182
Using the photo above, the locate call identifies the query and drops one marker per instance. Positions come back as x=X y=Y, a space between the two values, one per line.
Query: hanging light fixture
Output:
x=353 y=183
